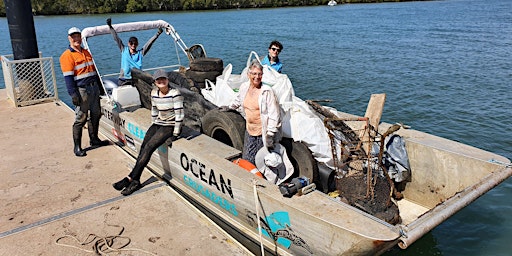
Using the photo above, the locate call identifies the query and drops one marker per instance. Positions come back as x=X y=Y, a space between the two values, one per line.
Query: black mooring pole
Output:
x=21 y=28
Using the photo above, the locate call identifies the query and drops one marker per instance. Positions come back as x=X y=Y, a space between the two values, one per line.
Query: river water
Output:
x=446 y=67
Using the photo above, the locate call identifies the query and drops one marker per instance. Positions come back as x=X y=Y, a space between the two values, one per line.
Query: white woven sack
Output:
x=281 y=85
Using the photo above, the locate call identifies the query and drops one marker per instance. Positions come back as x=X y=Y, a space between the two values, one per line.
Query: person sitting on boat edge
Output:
x=83 y=85
x=272 y=59
x=167 y=114
x=130 y=56
x=259 y=106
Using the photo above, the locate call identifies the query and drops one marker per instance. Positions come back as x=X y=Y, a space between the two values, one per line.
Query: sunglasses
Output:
x=275 y=49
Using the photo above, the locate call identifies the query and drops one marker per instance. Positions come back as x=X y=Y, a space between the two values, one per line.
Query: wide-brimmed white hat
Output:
x=274 y=165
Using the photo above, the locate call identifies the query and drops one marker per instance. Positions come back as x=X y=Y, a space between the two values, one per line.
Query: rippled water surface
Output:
x=446 y=67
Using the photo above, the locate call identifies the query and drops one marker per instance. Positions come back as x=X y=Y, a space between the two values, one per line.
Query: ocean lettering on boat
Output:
x=114 y=118
x=211 y=195
x=199 y=170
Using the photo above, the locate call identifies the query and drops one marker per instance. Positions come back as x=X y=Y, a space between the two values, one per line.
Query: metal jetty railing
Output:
x=29 y=81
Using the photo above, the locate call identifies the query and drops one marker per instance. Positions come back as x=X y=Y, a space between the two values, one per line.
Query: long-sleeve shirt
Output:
x=129 y=60
x=167 y=110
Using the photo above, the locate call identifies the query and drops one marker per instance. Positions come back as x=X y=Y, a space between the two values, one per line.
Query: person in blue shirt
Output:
x=272 y=59
x=130 y=56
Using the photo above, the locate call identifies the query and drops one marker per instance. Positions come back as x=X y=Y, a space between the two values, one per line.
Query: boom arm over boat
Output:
x=134 y=26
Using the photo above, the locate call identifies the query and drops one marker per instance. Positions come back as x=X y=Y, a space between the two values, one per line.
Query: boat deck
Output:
x=47 y=193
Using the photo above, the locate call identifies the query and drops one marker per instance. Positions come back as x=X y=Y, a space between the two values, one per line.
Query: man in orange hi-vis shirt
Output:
x=83 y=85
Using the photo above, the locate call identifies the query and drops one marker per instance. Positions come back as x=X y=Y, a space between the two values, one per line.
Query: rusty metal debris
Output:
x=352 y=139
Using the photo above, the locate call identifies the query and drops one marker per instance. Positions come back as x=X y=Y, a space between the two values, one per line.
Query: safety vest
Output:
x=78 y=64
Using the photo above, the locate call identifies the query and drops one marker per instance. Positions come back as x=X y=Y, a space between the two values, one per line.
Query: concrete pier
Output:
x=51 y=200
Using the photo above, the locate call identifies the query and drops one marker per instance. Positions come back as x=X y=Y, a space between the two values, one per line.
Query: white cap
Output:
x=74 y=30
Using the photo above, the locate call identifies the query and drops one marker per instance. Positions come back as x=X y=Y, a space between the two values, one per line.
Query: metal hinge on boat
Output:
x=402 y=230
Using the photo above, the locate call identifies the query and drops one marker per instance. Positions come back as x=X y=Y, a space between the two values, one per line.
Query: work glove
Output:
x=109 y=22
x=76 y=99
x=269 y=140
x=160 y=30
x=223 y=108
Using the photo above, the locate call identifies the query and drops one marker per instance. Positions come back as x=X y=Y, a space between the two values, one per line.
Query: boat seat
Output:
x=196 y=51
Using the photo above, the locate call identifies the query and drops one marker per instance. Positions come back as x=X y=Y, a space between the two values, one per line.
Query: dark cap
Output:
x=133 y=40
x=159 y=73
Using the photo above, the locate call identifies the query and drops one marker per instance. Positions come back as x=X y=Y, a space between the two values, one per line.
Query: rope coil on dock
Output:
x=101 y=245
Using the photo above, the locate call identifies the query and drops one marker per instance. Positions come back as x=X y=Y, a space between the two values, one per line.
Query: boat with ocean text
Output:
x=364 y=186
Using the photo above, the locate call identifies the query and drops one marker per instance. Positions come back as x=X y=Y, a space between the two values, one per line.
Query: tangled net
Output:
x=361 y=178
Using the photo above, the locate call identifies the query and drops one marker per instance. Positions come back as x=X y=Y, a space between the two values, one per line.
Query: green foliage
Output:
x=2 y=9
x=58 y=7
x=133 y=6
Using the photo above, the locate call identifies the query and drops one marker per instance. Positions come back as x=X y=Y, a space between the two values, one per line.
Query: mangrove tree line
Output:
x=61 y=7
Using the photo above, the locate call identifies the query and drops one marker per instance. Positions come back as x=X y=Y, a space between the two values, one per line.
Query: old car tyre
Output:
x=179 y=79
x=143 y=81
x=200 y=76
x=207 y=64
x=227 y=127
x=302 y=159
x=200 y=85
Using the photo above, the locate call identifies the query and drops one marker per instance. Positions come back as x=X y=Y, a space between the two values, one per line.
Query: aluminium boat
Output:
x=444 y=176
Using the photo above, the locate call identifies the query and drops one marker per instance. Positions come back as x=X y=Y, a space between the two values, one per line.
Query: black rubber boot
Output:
x=77 y=140
x=132 y=187
x=121 y=184
x=93 y=135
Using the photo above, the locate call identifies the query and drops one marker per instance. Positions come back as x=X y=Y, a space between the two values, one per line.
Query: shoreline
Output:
x=43 y=9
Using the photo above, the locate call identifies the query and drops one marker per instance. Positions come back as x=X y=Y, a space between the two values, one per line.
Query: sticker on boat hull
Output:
x=119 y=136
x=277 y=226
